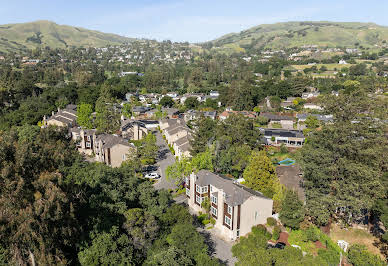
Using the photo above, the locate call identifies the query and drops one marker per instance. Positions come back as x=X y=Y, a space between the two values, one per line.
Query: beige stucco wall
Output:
x=254 y=204
x=117 y=152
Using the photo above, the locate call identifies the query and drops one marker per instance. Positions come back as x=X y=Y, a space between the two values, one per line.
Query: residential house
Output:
x=200 y=97
x=235 y=208
x=307 y=95
x=182 y=147
x=176 y=132
x=172 y=94
x=312 y=106
x=63 y=118
x=133 y=129
x=285 y=121
x=109 y=149
x=225 y=114
x=140 y=110
x=276 y=137
x=112 y=150
x=286 y=104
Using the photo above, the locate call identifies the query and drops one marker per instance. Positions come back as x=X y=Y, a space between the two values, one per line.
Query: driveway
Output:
x=165 y=158
x=219 y=248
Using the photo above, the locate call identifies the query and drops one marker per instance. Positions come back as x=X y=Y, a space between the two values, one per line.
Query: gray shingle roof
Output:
x=235 y=194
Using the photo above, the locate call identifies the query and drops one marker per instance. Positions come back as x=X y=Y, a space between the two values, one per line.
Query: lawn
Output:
x=355 y=236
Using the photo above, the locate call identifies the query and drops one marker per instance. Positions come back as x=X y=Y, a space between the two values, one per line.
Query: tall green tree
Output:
x=84 y=115
x=343 y=162
x=260 y=174
x=292 y=212
x=107 y=116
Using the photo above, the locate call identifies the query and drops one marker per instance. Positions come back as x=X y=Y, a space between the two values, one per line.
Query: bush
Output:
x=212 y=221
x=358 y=255
x=261 y=229
x=283 y=148
x=205 y=221
x=271 y=221
x=202 y=217
x=312 y=233
x=276 y=233
x=332 y=257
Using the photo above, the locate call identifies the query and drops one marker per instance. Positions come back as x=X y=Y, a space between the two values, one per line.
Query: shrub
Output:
x=332 y=257
x=276 y=233
x=212 y=221
x=283 y=148
x=358 y=255
x=261 y=229
x=312 y=233
x=202 y=217
x=205 y=221
x=271 y=221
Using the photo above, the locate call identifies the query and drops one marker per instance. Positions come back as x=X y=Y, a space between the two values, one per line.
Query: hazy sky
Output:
x=181 y=20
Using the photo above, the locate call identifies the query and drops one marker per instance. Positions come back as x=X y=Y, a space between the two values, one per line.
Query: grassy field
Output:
x=355 y=236
x=297 y=34
x=46 y=33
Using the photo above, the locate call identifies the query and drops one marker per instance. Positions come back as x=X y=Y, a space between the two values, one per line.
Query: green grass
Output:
x=297 y=34
x=23 y=36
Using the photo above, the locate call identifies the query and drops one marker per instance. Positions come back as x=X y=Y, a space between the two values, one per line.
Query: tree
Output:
x=84 y=115
x=107 y=117
x=342 y=163
x=292 y=212
x=358 y=255
x=127 y=110
x=110 y=248
x=166 y=101
x=191 y=103
x=148 y=150
x=312 y=122
x=204 y=135
x=251 y=250
x=172 y=256
x=260 y=174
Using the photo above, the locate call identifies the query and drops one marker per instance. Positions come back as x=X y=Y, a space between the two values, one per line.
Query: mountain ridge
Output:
x=21 y=36
x=298 y=33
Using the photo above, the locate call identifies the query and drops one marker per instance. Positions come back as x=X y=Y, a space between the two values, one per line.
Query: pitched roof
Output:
x=283 y=133
x=235 y=194
x=276 y=117
x=108 y=141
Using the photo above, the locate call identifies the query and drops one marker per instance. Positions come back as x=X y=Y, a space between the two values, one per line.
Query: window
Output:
x=187 y=192
x=124 y=157
x=228 y=221
x=238 y=233
x=256 y=215
x=88 y=138
x=88 y=145
x=214 y=199
x=230 y=209
x=211 y=188
x=213 y=211
x=197 y=188
x=204 y=189
x=198 y=199
x=187 y=180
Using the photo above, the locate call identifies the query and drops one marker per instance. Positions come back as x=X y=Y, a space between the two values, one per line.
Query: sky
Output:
x=187 y=20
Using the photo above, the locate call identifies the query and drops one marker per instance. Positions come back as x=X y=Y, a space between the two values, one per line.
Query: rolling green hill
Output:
x=22 y=36
x=297 y=34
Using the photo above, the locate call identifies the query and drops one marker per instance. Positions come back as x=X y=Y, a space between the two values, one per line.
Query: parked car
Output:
x=152 y=175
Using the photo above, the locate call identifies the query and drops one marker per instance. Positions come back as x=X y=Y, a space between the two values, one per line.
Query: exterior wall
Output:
x=54 y=122
x=262 y=206
x=118 y=154
x=175 y=137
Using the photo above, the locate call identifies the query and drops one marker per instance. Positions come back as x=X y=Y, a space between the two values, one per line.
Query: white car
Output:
x=153 y=175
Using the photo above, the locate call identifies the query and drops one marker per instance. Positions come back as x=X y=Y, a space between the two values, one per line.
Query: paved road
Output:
x=219 y=248
x=165 y=159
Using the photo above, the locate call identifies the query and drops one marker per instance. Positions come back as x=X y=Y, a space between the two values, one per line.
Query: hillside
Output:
x=296 y=34
x=22 y=36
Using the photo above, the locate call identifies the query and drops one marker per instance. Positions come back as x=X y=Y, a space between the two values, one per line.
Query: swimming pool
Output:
x=287 y=162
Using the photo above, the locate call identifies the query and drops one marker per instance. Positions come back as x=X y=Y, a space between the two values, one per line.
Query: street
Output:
x=165 y=158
